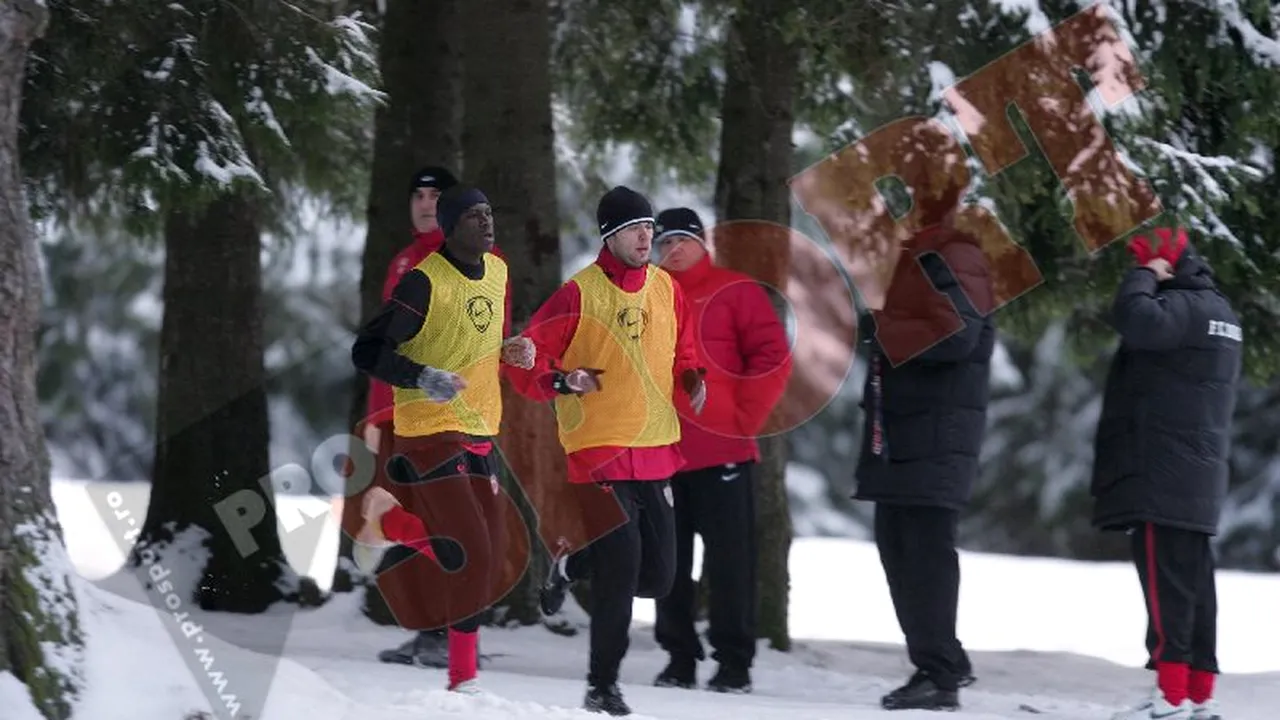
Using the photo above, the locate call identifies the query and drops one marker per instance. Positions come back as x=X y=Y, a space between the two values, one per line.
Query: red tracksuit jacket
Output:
x=743 y=345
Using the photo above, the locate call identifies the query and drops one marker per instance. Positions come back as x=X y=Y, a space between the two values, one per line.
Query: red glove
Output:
x=1168 y=246
x=1140 y=246
x=1171 y=247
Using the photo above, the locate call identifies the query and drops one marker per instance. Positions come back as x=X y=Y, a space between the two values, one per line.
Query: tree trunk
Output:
x=40 y=639
x=508 y=148
x=420 y=124
x=212 y=429
x=755 y=162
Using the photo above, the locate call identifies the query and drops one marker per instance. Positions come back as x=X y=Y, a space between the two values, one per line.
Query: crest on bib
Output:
x=480 y=312
x=633 y=321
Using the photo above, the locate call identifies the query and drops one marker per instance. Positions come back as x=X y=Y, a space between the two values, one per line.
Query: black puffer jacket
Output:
x=1163 y=437
x=932 y=408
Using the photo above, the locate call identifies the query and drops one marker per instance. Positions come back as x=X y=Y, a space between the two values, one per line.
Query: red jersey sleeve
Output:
x=762 y=343
x=551 y=329
x=380 y=407
x=686 y=338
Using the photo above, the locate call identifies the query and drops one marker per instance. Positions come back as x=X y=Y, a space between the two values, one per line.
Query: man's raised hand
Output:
x=519 y=351
x=583 y=380
x=1161 y=268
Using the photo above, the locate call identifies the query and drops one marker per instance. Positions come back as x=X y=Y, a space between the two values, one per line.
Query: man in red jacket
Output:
x=620 y=326
x=425 y=648
x=743 y=345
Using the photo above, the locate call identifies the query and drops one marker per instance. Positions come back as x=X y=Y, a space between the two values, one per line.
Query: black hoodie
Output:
x=1164 y=432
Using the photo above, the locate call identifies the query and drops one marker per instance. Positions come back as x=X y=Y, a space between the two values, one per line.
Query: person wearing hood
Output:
x=925 y=402
x=1161 y=458
x=744 y=346
x=439 y=342
x=614 y=346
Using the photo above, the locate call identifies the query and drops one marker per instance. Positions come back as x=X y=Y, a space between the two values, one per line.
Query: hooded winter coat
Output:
x=743 y=345
x=927 y=415
x=1164 y=433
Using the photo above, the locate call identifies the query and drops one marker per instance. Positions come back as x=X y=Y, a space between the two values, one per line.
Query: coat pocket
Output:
x=1116 y=453
x=960 y=431
x=912 y=436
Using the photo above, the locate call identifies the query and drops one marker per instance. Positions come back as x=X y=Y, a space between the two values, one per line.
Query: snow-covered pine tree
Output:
x=656 y=85
x=40 y=639
x=202 y=123
x=1205 y=135
x=98 y=351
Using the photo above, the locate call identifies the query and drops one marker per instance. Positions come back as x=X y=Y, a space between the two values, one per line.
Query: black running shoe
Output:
x=730 y=679
x=681 y=672
x=425 y=649
x=606 y=699
x=921 y=693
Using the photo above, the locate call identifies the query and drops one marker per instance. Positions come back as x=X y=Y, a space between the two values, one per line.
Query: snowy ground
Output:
x=1059 y=637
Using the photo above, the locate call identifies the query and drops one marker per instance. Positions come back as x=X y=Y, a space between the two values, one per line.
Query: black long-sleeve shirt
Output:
x=376 y=348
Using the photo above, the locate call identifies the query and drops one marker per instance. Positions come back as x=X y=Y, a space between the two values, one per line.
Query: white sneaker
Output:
x=1156 y=708
x=1205 y=711
x=468 y=687
x=369 y=545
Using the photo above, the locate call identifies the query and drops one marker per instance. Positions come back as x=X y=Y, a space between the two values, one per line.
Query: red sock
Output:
x=1200 y=688
x=462 y=656
x=1173 y=679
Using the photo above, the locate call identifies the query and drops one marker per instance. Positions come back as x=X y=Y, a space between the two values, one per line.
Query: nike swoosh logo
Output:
x=730 y=477
x=1171 y=713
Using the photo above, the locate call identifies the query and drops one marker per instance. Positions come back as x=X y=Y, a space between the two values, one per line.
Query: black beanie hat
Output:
x=432 y=176
x=678 y=221
x=621 y=207
x=453 y=203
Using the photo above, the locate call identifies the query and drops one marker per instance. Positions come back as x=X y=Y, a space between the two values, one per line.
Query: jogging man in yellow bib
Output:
x=613 y=345
x=439 y=343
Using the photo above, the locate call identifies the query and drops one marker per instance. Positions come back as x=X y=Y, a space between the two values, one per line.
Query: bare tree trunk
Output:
x=40 y=639
x=755 y=161
x=212 y=431
x=508 y=148
x=419 y=57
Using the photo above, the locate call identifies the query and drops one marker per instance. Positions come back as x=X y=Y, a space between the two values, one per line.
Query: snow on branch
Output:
x=341 y=83
x=222 y=156
x=203 y=140
x=1203 y=190
x=354 y=56
x=1265 y=49
x=1203 y=164
x=354 y=33
x=1037 y=21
